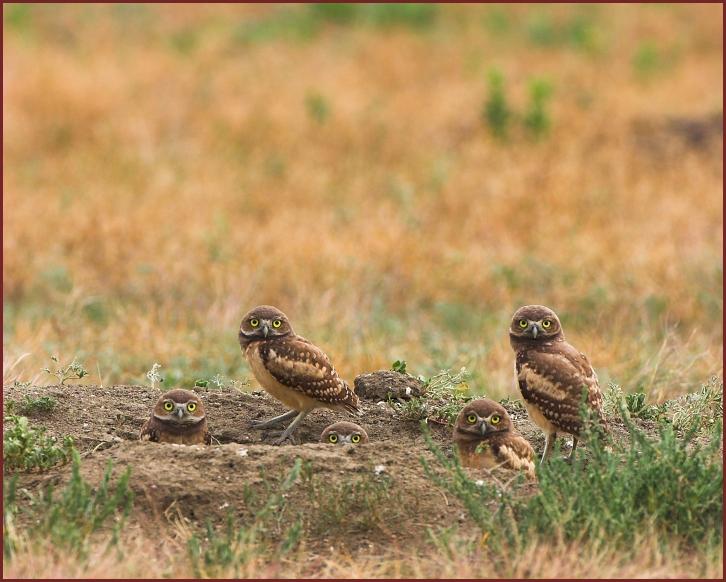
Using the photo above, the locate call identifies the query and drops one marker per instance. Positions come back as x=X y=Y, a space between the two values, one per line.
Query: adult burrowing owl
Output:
x=290 y=368
x=178 y=417
x=552 y=375
x=343 y=433
x=486 y=438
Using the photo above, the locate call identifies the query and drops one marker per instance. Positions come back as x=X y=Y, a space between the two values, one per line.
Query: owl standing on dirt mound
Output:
x=344 y=433
x=552 y=375
x=486 y=438
x=178 y=417
x=290 y=368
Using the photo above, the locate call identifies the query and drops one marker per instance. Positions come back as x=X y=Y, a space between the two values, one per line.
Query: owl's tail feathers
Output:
x=351 y=403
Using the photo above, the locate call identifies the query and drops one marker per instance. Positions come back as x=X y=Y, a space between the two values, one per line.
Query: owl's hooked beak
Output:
x=180 y=412
x=534 y=330
x=265 y=328
x=483 y=428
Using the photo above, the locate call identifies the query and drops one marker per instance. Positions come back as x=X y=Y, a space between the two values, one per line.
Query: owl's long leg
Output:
x=572 y=452
x=549 y=443
x=273 y=421
x=286 y=433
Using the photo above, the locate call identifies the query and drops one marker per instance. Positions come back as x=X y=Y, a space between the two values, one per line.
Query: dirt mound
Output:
x=376 y=493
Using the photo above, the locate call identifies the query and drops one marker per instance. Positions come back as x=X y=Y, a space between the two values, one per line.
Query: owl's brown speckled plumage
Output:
x=291 y=368
x=552 y=375
x=486 y=438
x=178 y=418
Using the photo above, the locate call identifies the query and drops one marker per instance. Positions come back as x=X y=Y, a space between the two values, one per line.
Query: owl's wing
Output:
x=149 y=432
x=516 y=453
x=302 y=366
x=554 y=380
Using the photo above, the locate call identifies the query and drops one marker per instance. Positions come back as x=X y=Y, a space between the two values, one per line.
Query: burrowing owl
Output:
x=552 y=375
x=343 y=433
x=290 y=368
x=178 y=417
x=486 y=438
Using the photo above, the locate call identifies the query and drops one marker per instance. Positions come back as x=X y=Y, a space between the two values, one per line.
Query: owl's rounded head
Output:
x=342 y=433
x=179 y=407
x=480 y=419
x=535 y=322
x=264 y=322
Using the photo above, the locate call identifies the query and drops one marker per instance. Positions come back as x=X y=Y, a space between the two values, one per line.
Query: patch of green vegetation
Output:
x=579 y=31
x=30 y=405
x=234 y=546
x=700 y=411
x=663 y=485
x=26 y=448
x=497 y=114
x=69 y=519
x=301 y=23
x=317 y=106
x=648 y=60
x=537 y=118
x=72 y=371
x=17 y=17
x=444 y=395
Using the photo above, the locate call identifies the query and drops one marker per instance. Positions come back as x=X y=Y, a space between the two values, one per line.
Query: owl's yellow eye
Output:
x=355 y=438
x=254 y=322
x=546 y=324
x=333 y=438
x=495 y=419
x=277 y=323
x=523 y=323
x=191 y=406
x=471 y=419
x=168 y=406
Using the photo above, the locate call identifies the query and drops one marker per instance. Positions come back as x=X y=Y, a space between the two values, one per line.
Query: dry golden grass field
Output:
x=397 y=179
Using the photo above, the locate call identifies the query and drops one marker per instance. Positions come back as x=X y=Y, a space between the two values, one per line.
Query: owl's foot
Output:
x=293 y=439
x=262 y=424
x=288 y=431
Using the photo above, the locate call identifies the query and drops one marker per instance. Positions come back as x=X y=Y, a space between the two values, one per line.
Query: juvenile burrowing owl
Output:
x=343 y=433
x=178 y=417
x=291 y=368
x=552 y=375
x=486 y=438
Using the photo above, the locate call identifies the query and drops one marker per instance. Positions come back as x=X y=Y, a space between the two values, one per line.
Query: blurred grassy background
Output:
x=169 y=167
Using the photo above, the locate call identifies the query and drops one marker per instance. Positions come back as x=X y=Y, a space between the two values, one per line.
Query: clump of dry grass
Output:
x=164 y=173
x=142 y=557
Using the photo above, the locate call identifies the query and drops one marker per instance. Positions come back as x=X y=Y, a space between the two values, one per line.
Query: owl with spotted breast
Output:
x=553 y=376
x=486 y=438
x=344 y=433
x=291 y=369
x=178 y=418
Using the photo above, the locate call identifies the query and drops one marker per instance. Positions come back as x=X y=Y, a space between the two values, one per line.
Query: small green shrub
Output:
x=444 y=396
x=699 y=411
x=317 y=106
x=399 y=366
x=29 y=405
x=497 y=113
x=537 y=118
x=73 y=371
x=26 y=448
